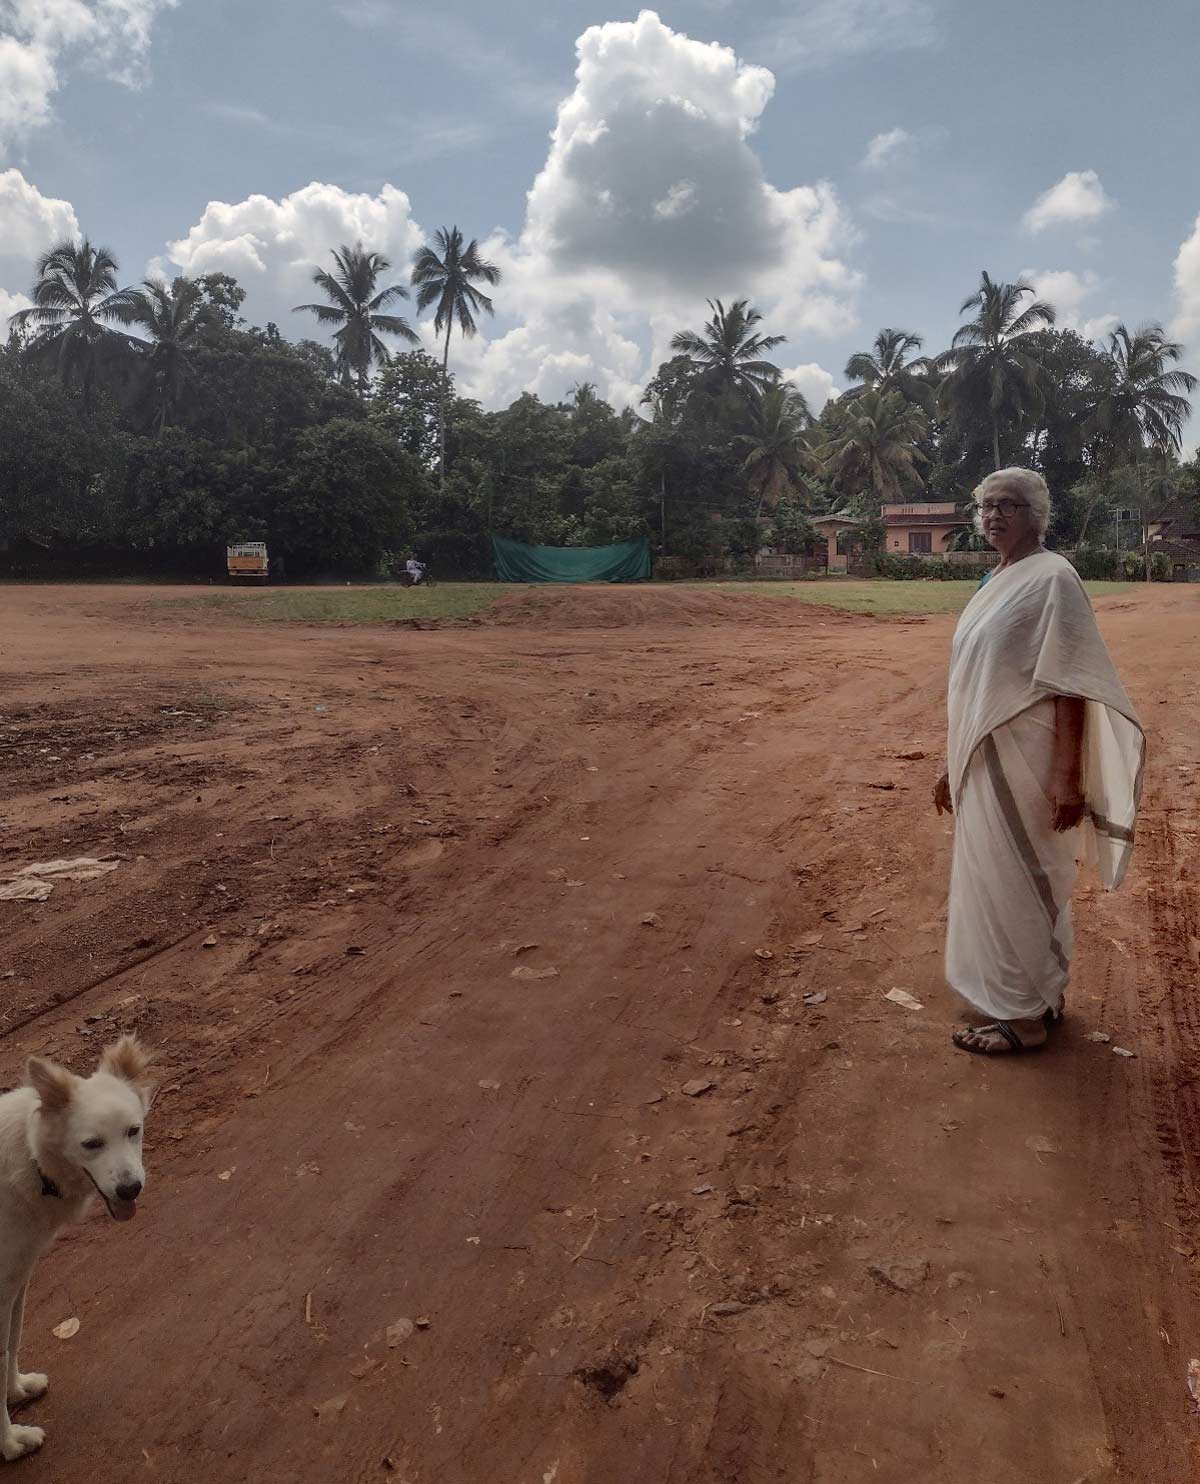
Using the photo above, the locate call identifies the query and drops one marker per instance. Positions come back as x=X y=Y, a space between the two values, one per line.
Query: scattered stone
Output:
x=901 y=1275
x=364 y=1367
x=996 y=1392
x=67 y=1330
x=815 y=997
x=399 y=1332
x=331 y=1410
x=650 y=919
x=524 y=948
x=726 y=1307
x=523 y=971
x=697 y=1086
x=763 y=953
x=902 y=997
x=1101 y=1037
x=702 y=1190
x=210 y=941
x=423 y=1323
x=489 y=1084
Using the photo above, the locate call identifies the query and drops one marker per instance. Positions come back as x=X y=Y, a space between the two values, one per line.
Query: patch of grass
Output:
x=886 y=598
x=447 y=601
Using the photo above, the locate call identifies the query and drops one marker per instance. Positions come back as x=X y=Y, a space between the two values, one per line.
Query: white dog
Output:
x=63 y=1140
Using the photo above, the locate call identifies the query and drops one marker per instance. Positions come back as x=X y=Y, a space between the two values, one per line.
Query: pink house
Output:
x=910 y=530
x=921 y=530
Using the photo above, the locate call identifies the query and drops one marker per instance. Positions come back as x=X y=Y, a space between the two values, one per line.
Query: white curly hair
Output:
x=1025 y=484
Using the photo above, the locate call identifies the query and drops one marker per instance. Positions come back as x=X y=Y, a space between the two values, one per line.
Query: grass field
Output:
x=881 y=597
x=447 y=601
x=460 y=600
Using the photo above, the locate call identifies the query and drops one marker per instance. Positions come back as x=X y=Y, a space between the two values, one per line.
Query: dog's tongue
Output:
x=123 y=1210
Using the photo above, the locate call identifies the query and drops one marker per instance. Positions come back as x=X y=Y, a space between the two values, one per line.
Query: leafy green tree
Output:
x=407 y=403
x=222 y=297
x=54 y=464
x=447 y=277
x=251 y=389
x=347 y=500
x=357 y=305
x=76 y=302
x=992 y=374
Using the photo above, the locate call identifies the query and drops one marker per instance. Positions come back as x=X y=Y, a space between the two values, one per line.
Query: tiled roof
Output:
x=925 y=520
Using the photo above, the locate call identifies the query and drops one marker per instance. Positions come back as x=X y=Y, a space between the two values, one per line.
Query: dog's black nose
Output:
x=129 y=1192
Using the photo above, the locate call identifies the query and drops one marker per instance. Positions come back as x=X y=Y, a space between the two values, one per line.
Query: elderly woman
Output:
x=1044 y=763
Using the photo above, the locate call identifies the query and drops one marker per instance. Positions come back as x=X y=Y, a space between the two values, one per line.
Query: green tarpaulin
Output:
x=628 y=561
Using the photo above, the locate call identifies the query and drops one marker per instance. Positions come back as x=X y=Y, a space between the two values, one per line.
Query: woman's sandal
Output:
x=1005 y=1032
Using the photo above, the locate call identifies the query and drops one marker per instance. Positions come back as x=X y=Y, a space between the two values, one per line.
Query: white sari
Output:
x=1027 y=636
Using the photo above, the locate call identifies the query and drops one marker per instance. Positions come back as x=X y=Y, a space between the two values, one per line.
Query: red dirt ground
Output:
x=942 y=1269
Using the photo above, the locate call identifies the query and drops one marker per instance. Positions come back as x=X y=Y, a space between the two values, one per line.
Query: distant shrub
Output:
x=1097 y=564
x=922 y=569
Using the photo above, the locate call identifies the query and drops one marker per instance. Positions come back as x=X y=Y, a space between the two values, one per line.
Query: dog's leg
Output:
x=15 y=1441
x=31 y=1385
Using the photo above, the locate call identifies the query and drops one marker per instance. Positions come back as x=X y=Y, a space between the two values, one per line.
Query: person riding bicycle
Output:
x=415 y=570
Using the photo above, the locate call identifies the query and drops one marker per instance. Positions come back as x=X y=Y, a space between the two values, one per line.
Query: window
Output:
x=920 y=542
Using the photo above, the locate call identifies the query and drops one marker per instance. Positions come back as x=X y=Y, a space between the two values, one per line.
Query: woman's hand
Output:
x=1067 y=787
x=942 y=801
x=1069 y=809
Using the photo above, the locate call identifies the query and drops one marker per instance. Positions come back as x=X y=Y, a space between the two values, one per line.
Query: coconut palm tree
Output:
x=729 y=354
x=446 y=276
x=993 y=373
x=1145 y=404
x=356 y=305
x=891 y=367
x=777 y=447
x=875 y=446
x=172 y=316
x=75 y=302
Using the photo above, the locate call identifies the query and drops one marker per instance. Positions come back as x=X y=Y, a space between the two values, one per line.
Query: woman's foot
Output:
x=1001 y=1037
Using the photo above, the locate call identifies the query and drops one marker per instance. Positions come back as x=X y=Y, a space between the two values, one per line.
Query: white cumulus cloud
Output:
x=885 y=149
x=29 y=224
x=652 y=201
x=1077 y=197
x=10 y=304
x=1187 y=287
x=814 y=382
x=1067 y=290
x=39 y=37
x=272 y=246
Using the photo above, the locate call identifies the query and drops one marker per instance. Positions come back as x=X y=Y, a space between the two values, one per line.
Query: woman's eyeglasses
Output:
x=1006 y=508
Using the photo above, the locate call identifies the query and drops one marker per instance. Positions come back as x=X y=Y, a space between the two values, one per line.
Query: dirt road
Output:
x=489 y=906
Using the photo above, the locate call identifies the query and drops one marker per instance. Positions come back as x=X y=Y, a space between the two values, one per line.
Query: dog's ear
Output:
x=54 y=1085
x=126 y=1058
x=129 y=1060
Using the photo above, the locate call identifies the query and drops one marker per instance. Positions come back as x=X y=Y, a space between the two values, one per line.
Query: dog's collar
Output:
x=48 y=1185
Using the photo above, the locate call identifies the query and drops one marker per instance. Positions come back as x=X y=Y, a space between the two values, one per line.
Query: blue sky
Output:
x=847 y=163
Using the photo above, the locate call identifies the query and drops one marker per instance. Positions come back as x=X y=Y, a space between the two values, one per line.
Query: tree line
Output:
x=143 y=427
